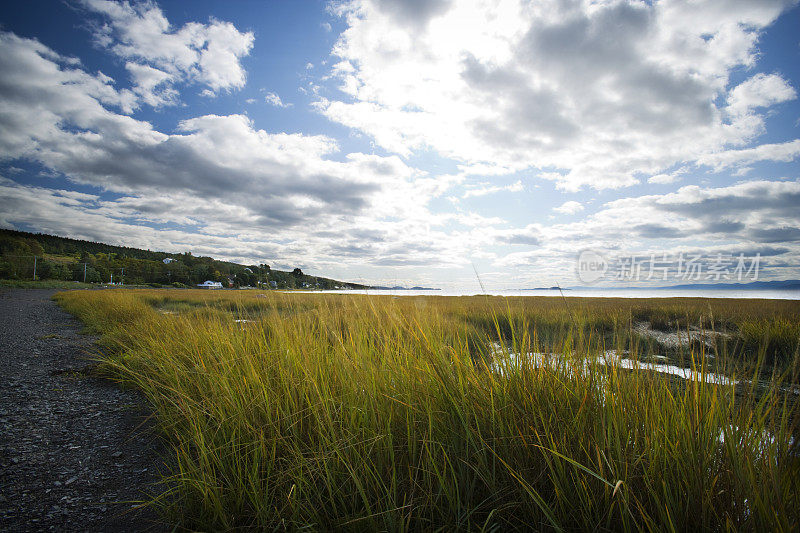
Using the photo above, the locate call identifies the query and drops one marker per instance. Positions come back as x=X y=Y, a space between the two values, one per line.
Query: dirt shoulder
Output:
x=76 y=452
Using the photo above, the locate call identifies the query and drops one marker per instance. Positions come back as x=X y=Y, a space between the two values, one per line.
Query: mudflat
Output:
x=77 y=452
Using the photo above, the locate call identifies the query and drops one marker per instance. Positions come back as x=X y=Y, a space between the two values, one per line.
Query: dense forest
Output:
x=24 y=256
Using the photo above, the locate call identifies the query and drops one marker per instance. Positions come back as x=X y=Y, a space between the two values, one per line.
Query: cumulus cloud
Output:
x=785 y=152
x=220 y=172
x=82 y=216
x=158 y=55
x=282 y=178
x=66 y=95
x=152 y=85
x=756 y=217
x=498 y=89
x=545 y=85
x=668 y=177
x=749 y=212
x=761 y=90
x=569 y=208
x=484 y=189
x=275 y=100
x=530 y=235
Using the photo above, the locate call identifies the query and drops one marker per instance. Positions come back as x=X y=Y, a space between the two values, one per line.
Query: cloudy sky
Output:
x=407 y=142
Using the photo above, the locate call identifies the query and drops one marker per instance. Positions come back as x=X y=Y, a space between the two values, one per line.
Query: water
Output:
x=590 y=293
x=506 y=362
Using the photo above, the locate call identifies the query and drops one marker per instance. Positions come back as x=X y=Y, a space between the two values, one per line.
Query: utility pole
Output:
x=84 y=272
x=34 y=268
x=122 y=273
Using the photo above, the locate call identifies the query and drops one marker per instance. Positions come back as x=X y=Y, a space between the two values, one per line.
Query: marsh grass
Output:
x=371 y=413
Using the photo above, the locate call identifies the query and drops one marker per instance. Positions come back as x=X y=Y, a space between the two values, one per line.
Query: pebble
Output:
x=57 y=422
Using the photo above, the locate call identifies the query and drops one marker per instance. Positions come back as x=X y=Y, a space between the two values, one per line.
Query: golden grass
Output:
x=376 y=413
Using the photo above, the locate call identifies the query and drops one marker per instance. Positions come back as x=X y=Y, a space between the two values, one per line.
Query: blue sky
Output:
x=409 y=142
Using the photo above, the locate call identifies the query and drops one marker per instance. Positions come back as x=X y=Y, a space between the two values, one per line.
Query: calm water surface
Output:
x=591 y=293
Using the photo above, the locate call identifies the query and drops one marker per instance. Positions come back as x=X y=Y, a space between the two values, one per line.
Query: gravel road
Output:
x=76 y=452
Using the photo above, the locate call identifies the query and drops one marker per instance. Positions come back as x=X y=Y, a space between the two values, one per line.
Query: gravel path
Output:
x=76 y=452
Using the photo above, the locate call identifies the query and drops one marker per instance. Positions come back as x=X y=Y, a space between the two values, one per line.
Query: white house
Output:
x=167 y=260
x=208 y=284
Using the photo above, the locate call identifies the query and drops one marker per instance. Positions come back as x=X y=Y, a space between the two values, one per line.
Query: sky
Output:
x=415 y=142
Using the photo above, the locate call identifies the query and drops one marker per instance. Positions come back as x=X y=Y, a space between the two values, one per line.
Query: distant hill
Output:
x=399 y=288
x=789 y=284
x=62 y=258
x=780 y=285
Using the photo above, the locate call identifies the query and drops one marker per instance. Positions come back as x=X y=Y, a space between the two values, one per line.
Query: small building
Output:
x=273 y=284
x=167 y=260
x=208 y=284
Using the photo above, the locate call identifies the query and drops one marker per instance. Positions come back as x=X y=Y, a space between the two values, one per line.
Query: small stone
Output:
x=71 y=480
x=116 y=454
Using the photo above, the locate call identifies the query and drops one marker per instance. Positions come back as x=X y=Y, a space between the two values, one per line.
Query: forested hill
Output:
x=72 y=259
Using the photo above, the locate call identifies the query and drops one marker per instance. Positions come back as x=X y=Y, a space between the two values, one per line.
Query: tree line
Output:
x=60 y=258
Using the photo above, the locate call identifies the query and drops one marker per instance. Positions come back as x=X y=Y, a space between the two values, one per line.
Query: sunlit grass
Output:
x=376 y=413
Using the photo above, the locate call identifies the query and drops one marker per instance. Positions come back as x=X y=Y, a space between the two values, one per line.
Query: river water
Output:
x=591 y=293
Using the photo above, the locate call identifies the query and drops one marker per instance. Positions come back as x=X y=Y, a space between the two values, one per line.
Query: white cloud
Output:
x=750 y=212
x=65 y=95
x=785 y=152
x=569 y=208
x=542 y=85
x=218 y=174
x=520 y=89
x=484 y=189
x=68 y=129
x=759 y=91
x=152 y=85
x=752 y=217
x=158 y=55
x=667 y=178
x=275 y=100
x=70 y=214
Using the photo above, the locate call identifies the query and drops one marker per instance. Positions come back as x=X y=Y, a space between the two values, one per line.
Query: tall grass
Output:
x=373 y=413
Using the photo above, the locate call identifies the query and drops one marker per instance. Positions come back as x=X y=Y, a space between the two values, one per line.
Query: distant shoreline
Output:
x=640 y=294
x=379 y=288
x=781 y=285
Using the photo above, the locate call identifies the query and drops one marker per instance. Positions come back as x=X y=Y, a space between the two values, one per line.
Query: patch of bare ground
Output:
x=679 y=338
